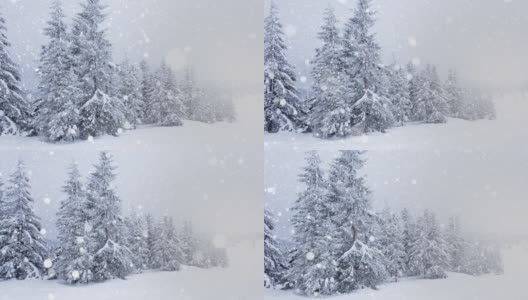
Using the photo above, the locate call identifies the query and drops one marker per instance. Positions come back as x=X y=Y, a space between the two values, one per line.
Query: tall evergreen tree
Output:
x=152 y=236
x=455 y=245
x=454 y=94
x=147 y=91
x=372 y=111
x=408 y=238
x=100 y=111
x=330 y=113
x=274 y=263
x=432 y=96
x=313 y=271
x=416 y=84
x=166 y=106
x=188 y=243
x=391 y=243
x=57 y=114
x=74 y=264
x=14 y=107
x=129 y=91
x=283 y=109
x=111 y=258
x=398 y=91
x=22 y=247
x=136 y=233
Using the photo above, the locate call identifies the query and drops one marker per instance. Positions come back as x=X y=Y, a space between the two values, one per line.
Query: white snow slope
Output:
x=510 y=286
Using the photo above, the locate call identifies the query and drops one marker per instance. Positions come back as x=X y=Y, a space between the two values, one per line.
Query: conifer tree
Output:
x=416 y=84
x=432 y=96
x=100 y=111
x=398 y=91
x=167 y=252
x=74 y=264
x=22 y=247
x=147 y=91
x=152 y=235
x=330 y=113
x=408 y=238
x=283 y=109
x=166 y=106
x=391 y=243
x=454 y=95
x=274 y=263
x=188 y=243
x=312 y=270
x=14 y=107
x=455 y=245
x=129 y=91
x=111 y=257
x=137 y=241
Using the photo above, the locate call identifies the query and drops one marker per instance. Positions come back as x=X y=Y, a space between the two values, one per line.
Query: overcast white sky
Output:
x=484 y=39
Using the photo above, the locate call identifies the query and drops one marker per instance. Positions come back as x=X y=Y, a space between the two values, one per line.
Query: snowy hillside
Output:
x=456 y=287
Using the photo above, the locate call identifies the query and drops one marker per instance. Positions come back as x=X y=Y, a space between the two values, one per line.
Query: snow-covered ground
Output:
x=208 y=174
x=510 y=286
x=234 y=283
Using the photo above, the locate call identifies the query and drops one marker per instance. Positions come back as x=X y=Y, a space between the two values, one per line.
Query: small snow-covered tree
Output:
x=152 y=236
x=57 y=114
x=14 y=107
x=454 y=94
x=147 y=91
x=455 y=244
x=166 y=106
x=167 y=252
x=330 y=113
x=416 y=83
x=74 y=264
x=312 y=270
x=23 y=250
x=432 y=96
x=136 y=233
x=129 y=91
x=390 y=242
x=111 y=257
x=408 y=238
x=283 y=109
x=274 y=263
x=188 y=243
x=398 y=92
x=100 y=111
x=429 y=257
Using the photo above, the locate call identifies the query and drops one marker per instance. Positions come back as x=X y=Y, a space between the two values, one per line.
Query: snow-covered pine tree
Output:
x=360 y=263
x=129 y=91
x=416 y=84
x=390 y=242
x=408 y=237
x=283 y=110
x=274 y=262
x=312 y=270
x=166 y=107
x=331 y=99
x=398 y=90
x=432 y=96
x=455 y=244
x=57 y=115
x=111 y=257
x=429 y=257
x=100 y=111
x=372 y=111
x=74 y=264
x=152 y=236
x=14 y=107
x=136 y=234
x=188 y=88
x=188 y=243
x=22 y=247
x=147 y=91
x=167 y=252
x=454 y=94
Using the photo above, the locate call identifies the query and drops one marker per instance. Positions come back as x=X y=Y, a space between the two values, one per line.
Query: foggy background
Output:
x=485 y=40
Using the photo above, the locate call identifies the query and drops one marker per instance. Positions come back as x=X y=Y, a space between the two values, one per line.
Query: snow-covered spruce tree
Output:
x=283 y=109
x=454 y=94
x=329 y=106
x=166 y=106
x=136 y=234
x=188 y=89
x=100 y=111
x=416 y=84
x=274 y=262
x=397 y=89
x=390 y=242
x=312 y=270
x=360 y=262
x=74 y=264
x=432 y=96
x=456 y=245
x=129 y=91
x=429 y=257
x=14 y=107
x=152 y=236
x=188 y=244
x=408 y=237
x=111 y=257
x=22 y=247
x=57 y=114
x=167 y=252
x=372 y=111
x=147 y=91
